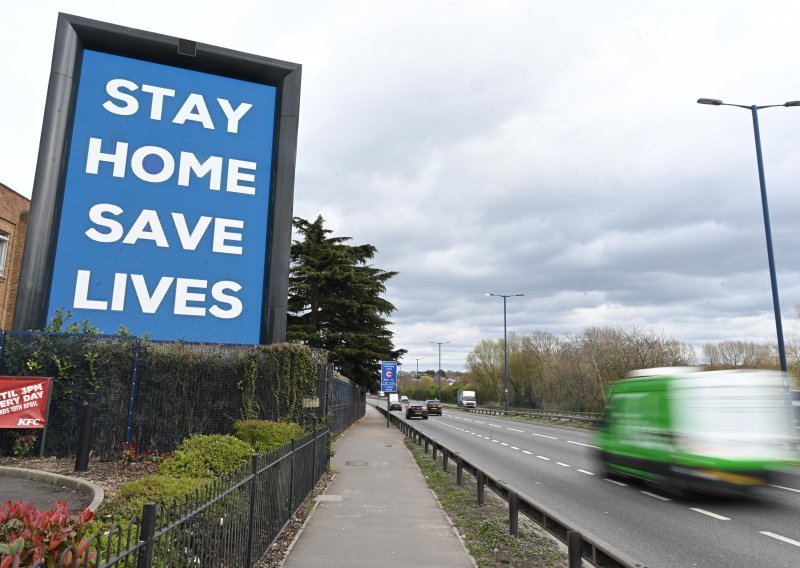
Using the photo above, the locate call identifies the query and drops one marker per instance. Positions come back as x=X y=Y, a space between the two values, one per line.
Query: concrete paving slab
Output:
x=378 y=510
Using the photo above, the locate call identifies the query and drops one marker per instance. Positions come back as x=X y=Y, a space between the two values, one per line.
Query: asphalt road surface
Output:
x=557 y=468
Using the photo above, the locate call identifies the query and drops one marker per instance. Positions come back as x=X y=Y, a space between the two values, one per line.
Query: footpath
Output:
x=378 y=510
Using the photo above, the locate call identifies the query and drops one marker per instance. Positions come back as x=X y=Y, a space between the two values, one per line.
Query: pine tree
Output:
x=335 y=302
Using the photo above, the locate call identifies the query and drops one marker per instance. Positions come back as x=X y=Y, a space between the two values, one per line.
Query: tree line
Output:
x=571 y=372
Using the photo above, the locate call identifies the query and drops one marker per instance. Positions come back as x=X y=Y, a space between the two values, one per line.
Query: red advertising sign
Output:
x=23 y=401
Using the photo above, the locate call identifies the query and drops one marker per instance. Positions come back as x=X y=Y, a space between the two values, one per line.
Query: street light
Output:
x=417 y=376
x=505 y=346
x=439 y=372
x=776 y=304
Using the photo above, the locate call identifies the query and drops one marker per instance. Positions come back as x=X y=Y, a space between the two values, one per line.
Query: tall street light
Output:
x=439 y=372
x=505 y=345
x=776 y=305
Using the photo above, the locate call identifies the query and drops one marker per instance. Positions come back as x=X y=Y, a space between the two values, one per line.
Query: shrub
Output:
x=28 y=535
x=206 y=456
x=266 y=435
x=131 y=497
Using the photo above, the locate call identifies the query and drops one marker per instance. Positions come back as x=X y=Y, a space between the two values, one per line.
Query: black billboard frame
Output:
x=73 y=35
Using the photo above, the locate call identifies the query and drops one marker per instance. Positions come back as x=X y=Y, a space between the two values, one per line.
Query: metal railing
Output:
x=587 y=417
x=581 y=544
x=231 y=522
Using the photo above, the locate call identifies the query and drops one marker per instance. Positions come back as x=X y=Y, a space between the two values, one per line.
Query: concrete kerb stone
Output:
x=94 y=491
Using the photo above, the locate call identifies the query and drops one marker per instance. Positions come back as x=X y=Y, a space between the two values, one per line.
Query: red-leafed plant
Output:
x=29 y=536
x=130 y=454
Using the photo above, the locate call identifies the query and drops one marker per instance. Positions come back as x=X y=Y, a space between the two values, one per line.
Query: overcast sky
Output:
x=546 y=148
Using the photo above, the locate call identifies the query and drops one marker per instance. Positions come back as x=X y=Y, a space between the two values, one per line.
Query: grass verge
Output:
x=485 y=528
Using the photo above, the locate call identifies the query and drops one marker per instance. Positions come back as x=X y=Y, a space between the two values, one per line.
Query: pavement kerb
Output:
x=94 y=491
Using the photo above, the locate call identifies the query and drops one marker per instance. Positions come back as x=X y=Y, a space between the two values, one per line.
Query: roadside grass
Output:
x=484 y=529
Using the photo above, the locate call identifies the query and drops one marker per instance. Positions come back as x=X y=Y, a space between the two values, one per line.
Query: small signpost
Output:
x=388 y=383
x=25 y=403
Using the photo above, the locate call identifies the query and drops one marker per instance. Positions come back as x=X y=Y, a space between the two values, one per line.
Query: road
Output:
x=557 y=468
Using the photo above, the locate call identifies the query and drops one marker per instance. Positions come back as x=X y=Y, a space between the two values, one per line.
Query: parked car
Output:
x=434 y=407
x=417 y=409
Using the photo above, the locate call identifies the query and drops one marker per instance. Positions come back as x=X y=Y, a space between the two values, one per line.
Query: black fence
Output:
x=155 y=394
x=231 y=522
x=581 y=545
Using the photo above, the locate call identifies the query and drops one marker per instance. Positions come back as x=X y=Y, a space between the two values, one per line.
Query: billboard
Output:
x=23 y=401
x=167 y=209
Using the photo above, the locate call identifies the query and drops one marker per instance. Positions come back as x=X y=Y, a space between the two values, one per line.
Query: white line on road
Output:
x=786 y=488
x=503 y=444
x=779 y=537
x=527 y=452
x=515 y=430
x=514 y=448
x=543 y=436
x=615 y=482
x=586 y=472
x=479 y=422
x=495 y=425
x=656 y=496
x=563 y=464
x=580 y=444
x=710 y=514
x=496 y=441
x=543 y=458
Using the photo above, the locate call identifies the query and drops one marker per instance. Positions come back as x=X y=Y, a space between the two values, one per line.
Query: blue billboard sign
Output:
x=389 y=376
x=164 y=219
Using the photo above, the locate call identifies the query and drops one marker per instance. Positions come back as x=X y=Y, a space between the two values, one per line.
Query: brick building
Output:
x=13 y=226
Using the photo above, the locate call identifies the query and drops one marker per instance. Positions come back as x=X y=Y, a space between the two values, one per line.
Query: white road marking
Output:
x=786 y=488
x=661 y=497
x=615 y=482
x=503 y=444
x=514 y=448
x=563 y=464
x=496 y=441
x=479 y=422
x=710 y=514
x=527 y=452
x=495 y=425
x=580 y=444
x=586 y=472
x=543 y=458
x=515 y=430
x=543 y=436
x=779 y=537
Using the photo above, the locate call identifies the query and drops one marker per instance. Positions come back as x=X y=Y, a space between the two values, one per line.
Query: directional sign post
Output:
x=388 y=383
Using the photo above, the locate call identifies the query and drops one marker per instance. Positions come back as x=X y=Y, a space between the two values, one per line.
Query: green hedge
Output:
x=266 y=435
x=206 y=456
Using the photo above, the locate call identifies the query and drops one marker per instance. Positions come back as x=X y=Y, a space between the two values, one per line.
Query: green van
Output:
x=713 y=431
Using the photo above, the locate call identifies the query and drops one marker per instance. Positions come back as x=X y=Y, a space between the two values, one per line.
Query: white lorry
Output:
x=466 y=399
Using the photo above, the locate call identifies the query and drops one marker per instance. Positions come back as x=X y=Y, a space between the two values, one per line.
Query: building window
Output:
x=3 y=252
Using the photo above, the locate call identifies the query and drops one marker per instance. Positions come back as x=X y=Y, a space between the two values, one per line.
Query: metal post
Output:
x=146 y=532
x=291 y=482
x=459 y=470
x=513 y=514
x=481 y=480
x=248 y=561
x=574 y=549
x=134 y=381
x=445 y=459
x=85 y=437
x=505 y=356
x=433 y=451
x=776 y=305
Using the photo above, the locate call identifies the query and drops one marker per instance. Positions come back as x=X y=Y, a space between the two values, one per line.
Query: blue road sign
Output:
x=389 y=376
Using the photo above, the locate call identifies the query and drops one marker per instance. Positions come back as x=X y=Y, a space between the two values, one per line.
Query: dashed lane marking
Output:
x=785 y=488
x=661 y=497
x=586 y=472
x=781 y=538
x=581 y=444
x=615 y=482
x=543 y=458
x=544 y=436
x=563 y=464
x=710 y=514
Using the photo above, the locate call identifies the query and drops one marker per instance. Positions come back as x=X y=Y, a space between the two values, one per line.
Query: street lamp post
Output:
x=439 y=372
x=776 y=304
x=417 y=377
x=505 y=346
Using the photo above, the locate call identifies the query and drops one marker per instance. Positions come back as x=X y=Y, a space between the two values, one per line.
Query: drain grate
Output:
x=355 y=463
